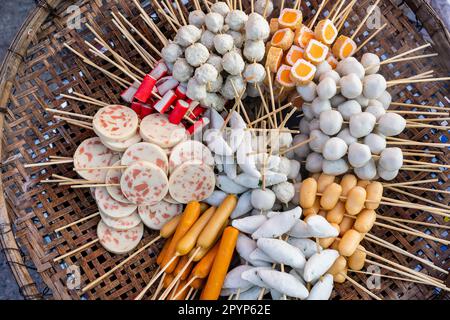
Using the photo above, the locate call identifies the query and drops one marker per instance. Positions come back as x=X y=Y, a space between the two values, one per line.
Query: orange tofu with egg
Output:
x=283 y=38
x=332 y=61
x=284 y=78
x=302 y=36
x=274 y=25
x=303 y=71
x=274 y=59
x=316 y=52
x=344 y=47
x=290 y=18
x=326 y=32
x=294 y=54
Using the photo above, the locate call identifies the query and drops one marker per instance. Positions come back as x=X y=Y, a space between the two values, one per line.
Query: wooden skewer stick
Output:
x=409 y=183
x=70 y=253
x=266 y=6
x=191 y=280
x=297 y=4
x=180 y=11
x=409 y=205
x=419 y=106
x=298 y=145
x=338 y=10
x=77 y=222
x=388 y=277
x=319 y=10
x=272 y=99
x=422 y=56
x=420 y=223
x=122 y=263
x=80 y=186
x=393 y=141
x=419 y=170
x=336 y=3
x=74 y=121
x=100 y=168
x=426 y=189
x=429 y=120
x=343 y=16
x=266 y=107
x=419 y=112
x=437 y=165
x=372 y=8
x=169 y=7
x=69 y=113
x=84 y=100
x=407 y=52
x=43 y=164
x=356 y=284
x=159 y=287
x=407 y=81
x=373 y=35
x=419 y=198
x=239 y=100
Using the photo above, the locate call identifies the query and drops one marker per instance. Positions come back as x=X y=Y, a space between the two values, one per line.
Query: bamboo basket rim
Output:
x=8 y=69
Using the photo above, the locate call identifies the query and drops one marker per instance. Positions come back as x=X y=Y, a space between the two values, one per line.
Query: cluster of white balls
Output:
x=217 y=54
x=346 y=114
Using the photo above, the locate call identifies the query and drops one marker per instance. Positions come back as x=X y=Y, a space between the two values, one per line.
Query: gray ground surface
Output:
x=13 y=13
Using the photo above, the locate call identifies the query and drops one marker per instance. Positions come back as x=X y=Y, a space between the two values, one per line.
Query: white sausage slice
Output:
x=145 y=151
x=157 y=129
x=111 y=207
x=192 y=181
x=156 y=215
x=121 y=146
x=188 y=151
x=144 y=183
x=284 y=283
x=125 y=223
x=119 y=242
x=113 y=177
x=92 y=153
x=282 y=252
x=115 y=122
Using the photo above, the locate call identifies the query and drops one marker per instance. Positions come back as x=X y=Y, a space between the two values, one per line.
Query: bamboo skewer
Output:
x=387 y=276
x=372 y=8
x=319 y=10
x=338 y=10
x=81 y=248
x=77 y=222
x=420 y=106
x=407 y=52
x=426 y=189
x=100 y=104
x=420 y=198
x=373 y=35
x=356 y=284
x=42 y=164
x=439 y=226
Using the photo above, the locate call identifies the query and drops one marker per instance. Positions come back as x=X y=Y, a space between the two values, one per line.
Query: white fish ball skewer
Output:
x=331 y=122
x=358 y=154
x=335 y=149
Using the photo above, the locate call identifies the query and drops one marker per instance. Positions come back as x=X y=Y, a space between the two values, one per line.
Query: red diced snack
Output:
x=169 y=84
x=166 y=101
x=137 y=107
x=196 y=112
x=129 y=93
x=146 y=110
x=145 y=89
x=160 y=70
x=178 y=112
x=198 y=125
x=181 y=92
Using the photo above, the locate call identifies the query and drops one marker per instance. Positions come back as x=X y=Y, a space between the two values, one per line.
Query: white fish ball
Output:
x=284 y=191
x=254 y=50
x=221 y=8
x=375 y=142
x=216 y=61
x=214 y=22
x=386 y=174
x=350 y=66
x=257 y=27
x=330 y=74
x=294 y=169
x=206 y=73
x=223 y=43
x=318 y=106
x=252 y=90
x=367 y=171
x=314 y=162
x=331 y=122
x=197 y=18
x=358 y=154
x=216 y=85
x=337 y=100
x=319 y=140
x=304 y=126
x=314 y=124
x=238 y=38
x=196 y=54
x=322 y=68
x=227 y=90
x=374 y=85
x=236 y=20
x=334 y=149
x=376 y=109
x=391 y=159
x=233 y=63
x=182 y=71
x=326 y=89
x=363 y=101
x=308 y=91
x=346 y=136
x=370 y=62
x=260 y=6
x=171 y=52
x=263 y=199
x=361 y=124
x=385 y=99
x=207 y=39
x=254 y=73
x=302 y=151
x=214 y=101
x=284 y=166
x=188 y=35
x=391 y=124
x=334 y=167
x=195 y=90
x=349 y=108
x=307 y=111
x=351 y=86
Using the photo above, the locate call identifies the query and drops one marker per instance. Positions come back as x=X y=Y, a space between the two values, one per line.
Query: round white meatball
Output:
x=196 y=54
x=314 y=162
x=334 y=149
x=358 y=154
x=302 y=151
x=206 y=73
x=386 y=174
x=350 y=66
x=227 y=90
x=346 y=136
x=260 y=6
x=376 y=109
x=314 y=124
x=254 y=50
x=391 y=124
x=367 y=171
x=214 y=101
x=233 y=63
x=197 y=18
x=252 y=91
x=284 y=166
x=254 y=73
x=363 y=101
x=374 y=85
x=223 y=43
x=370 y=62
x=322 y=68
x=319 y=140
x=195 y=90
x=284 y=192
x=307 y=111
x=216 y=61
x=214 y=22
x=326 y=89
x=391 y=159
x=362 y=124
x=220 y=8
x=294 y=169
x=207 y=39
x=385 y=99
x=236 y=20
x=171 y=52
x=182 y=71
x=375 y=142
x=351 y=86
x=238 y=38
x=337 y=100
x=334 y=167
x=331 y=122
x=349 y=108
x=256 y=27
x=308 y=91
x=188 y=35
x=216 y=85
x=318 y=106
x=304 y=127
x=330 y=74
x=262 y=199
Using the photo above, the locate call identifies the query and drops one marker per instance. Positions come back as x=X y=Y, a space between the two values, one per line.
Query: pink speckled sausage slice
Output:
x=113 y=177
x=112 y=207
x=192 y=181
x=92 y=153
x=157 y=129
x=146 y=151
x=155 y=216
x=124 y=223
x=115 y=123
x=121 y=146
x=188 y=151
x=119 y=241
x=144 y=183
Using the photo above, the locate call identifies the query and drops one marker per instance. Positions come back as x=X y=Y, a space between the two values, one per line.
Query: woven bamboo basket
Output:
x=37 y=69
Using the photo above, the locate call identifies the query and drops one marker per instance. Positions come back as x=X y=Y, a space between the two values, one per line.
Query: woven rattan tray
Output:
x=37 y=69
